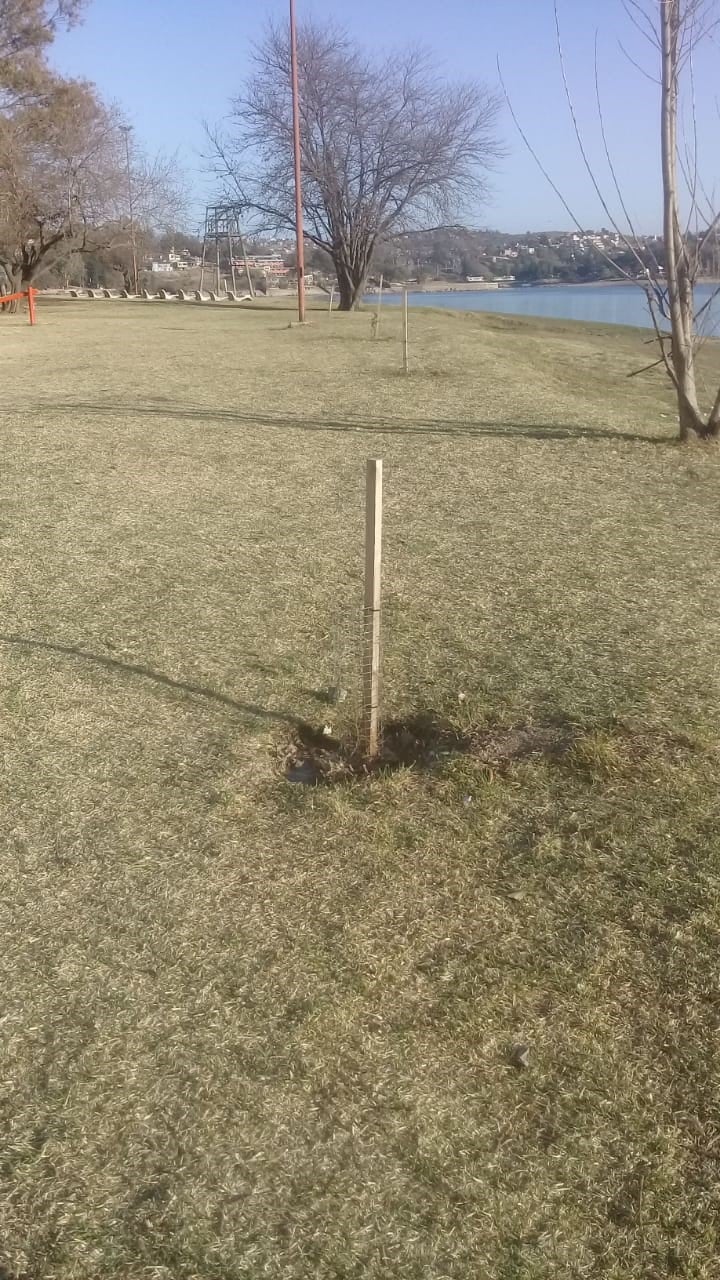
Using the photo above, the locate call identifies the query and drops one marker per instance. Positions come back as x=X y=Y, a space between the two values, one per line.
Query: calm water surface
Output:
x=604 y=303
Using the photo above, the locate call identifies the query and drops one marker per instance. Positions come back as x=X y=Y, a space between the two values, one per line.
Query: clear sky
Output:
x=173 y=63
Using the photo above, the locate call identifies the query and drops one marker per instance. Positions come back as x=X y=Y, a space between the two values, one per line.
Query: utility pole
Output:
x=127 y=129
x=300 y=250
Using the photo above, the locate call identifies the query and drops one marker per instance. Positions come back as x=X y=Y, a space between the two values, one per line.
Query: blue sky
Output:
x=173 y=63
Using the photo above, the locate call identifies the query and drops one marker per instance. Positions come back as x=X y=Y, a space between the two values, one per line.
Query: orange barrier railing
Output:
x=26 y=293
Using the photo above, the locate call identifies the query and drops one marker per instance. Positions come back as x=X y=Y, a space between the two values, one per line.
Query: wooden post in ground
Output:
x=332 y=296
x=232 y=263
x=202 y=263
x=31 y=304
x=251 y=286
x=379 y=304
x=406 y=362
x=373 y=600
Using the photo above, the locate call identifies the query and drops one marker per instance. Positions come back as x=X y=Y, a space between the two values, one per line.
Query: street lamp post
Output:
x=300 y=253
x=127 y=129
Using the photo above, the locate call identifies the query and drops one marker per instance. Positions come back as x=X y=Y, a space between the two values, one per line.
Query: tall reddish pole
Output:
x=300 y=251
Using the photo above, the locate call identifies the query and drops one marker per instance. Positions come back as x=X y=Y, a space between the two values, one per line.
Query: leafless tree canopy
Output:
x=675 y=29
x=386 y=145
x=159 y=204
x=681 y=25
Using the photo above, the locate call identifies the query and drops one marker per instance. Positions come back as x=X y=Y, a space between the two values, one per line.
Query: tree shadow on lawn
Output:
x=159 y=407
x=147 y=673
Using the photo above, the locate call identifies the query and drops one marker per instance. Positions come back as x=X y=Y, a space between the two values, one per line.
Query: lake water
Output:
x=598 y=303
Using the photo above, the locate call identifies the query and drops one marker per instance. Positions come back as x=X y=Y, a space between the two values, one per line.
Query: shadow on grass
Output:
x=368 y=424
x=147 y=673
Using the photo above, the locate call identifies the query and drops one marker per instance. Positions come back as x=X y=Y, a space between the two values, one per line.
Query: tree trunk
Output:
x=351 y=278
x=682 y=355
x=690 y=419
x=16 y=285
x=20 y=280
x=678 y=270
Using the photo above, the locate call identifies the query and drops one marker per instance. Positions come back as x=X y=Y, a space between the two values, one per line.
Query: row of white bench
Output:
x=164 y=295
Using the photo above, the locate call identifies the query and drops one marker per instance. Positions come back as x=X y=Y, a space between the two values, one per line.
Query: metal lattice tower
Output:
x=222 y=229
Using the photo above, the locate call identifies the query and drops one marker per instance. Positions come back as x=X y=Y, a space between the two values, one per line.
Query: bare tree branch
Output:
x=638 y=67
x=613 y=173
x=675 y=32
x=641 y=20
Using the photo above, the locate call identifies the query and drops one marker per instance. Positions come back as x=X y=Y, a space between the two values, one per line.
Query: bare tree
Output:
x=682 y=24
x=159 y=197
x=386 y=146
x=159 y=191
x=674 y=29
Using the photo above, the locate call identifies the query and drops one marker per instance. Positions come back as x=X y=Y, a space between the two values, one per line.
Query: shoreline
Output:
x=437 y=286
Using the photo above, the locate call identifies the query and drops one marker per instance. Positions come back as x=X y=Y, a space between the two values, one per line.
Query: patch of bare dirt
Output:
x=314 y=757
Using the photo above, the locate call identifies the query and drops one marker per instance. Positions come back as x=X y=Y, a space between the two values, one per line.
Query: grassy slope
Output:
x=250 y=1029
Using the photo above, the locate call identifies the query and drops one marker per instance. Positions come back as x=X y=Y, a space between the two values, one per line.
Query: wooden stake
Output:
x=406 y=364
x=251 y=286
x=377 y=313
x=373 y=599
x=218 y=284
x=332 y=295
x=202 y=264
x=232 y=263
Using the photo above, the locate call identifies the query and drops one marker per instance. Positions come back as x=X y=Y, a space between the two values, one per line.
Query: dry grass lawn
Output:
x=250 y=1029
